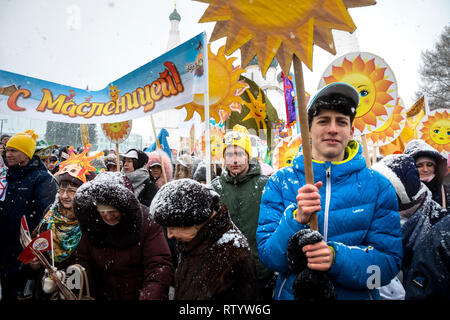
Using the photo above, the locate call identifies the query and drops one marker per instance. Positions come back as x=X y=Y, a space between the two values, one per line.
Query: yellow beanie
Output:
x=25 y=142
x=238 y=137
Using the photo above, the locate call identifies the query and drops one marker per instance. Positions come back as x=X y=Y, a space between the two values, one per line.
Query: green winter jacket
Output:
x=242 y=196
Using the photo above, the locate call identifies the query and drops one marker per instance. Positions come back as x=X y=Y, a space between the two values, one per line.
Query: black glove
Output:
x=309 y=285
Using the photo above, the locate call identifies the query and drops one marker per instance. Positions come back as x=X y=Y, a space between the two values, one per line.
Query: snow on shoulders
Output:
x=234 y=236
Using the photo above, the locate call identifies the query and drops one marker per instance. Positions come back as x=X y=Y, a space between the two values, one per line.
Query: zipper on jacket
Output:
x=327 y=204
x=281 y=287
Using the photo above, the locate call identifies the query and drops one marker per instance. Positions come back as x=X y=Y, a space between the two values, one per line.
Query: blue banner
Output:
x=166 y=82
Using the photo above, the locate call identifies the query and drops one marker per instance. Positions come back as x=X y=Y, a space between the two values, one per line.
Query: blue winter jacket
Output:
x=30 y=190
x=359 y=219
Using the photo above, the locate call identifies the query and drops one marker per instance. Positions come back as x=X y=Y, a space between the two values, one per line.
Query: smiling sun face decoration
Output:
x=257 y=110
x=224 y=89
x=285 y=151
x=374 y=81
x=392 y=128
x=434 y=129
x=117 y=132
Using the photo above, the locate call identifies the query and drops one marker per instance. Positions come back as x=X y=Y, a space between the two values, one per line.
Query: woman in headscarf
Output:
x=60 y=218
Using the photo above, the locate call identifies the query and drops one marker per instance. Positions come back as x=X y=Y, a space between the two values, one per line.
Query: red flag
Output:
x=25 y=237
x=41 y=243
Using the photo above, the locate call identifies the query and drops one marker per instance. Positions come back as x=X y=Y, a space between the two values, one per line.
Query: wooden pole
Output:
x=366 y=150
x=117 y=158
x=304 y=131
x=158 y=147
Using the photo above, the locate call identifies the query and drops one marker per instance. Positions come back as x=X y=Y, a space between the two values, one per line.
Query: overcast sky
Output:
x=83 y=43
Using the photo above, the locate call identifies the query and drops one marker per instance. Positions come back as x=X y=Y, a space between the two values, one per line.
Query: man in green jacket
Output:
x=240 y=187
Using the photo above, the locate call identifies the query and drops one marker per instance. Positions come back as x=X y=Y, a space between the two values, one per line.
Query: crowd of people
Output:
x=146 y=227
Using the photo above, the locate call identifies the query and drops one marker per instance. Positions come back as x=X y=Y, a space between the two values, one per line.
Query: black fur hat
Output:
x=110 y=188
x=183 y=203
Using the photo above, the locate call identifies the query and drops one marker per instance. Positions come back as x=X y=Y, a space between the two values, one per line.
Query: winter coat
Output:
x=153 y=157
x=359 y=220
x=144 y=188
x=242 y=196
x=419 y=148
x=417 y=226
x=430 y=269
x=128 y=261
x=31 y=189
x=217 y=264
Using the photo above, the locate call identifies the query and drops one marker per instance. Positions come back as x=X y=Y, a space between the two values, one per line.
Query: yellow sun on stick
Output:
x=279 y=28
x=392 y=128
x=224 y=88
x=117 y=132
x=434 y=129
x=375 y=82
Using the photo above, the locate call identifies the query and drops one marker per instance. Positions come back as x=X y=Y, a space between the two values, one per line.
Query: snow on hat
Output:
x=25 y=142
x=336 y=88
x=183 y=203
x=402 y=172
x=418 y=148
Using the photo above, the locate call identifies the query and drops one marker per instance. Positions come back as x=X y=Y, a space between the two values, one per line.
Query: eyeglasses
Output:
x=234 y=135
x=69 y=191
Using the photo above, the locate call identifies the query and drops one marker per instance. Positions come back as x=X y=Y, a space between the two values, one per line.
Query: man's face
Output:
x=236 y=160
x=15 y=157
x=330 y=133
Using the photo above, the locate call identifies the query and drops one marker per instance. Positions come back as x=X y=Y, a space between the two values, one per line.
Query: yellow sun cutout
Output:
x=285 y=151
x=435 y=130
x=392 y=128
x=79 y=165
x=257 y=110
x=117 y=132
x=216 y=144
x=374 y=81
x=224 y=88
x=279 y=27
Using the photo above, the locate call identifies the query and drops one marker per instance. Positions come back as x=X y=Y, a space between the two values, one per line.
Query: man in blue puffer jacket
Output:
x=356 y=207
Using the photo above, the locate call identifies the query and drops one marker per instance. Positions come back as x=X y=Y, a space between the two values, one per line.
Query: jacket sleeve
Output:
x=44 y=194
x=147 y=195
x=430 y=273
x=276 y=225
x=158 y=270
x=378 y=260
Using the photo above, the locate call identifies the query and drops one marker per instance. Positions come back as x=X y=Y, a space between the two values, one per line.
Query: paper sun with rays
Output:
x=392 y=128
x=117 y=132
x=280 y=28
x=375 y=82
x=434 y=129
x=285 y=151
x=224 y=89
x=79 y=165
